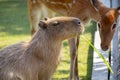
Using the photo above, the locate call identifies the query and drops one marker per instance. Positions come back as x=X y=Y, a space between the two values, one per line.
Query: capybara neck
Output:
x=45 y=44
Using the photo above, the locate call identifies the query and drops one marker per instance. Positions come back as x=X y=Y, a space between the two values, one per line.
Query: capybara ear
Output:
x=42 y=25
x=46 y=18
x=118 y=9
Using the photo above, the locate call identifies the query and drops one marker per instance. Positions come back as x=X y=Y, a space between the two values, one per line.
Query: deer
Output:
x=70 y=8
x=107 y=24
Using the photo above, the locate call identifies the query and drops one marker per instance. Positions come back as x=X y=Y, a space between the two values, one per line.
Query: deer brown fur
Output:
x=107 y=24
x=38 y=58
x=74 y=8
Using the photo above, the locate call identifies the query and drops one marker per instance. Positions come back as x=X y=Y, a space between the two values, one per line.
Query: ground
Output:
x=15 y=27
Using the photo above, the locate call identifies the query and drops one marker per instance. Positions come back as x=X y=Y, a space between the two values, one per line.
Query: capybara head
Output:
x=61 y=27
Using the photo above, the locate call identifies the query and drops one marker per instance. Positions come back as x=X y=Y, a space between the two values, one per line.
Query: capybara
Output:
x=38 y=58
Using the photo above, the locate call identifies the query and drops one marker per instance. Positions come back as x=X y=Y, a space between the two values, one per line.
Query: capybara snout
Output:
x=77 y=21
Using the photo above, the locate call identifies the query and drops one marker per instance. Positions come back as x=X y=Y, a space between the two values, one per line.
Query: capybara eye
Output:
x=55 y=23
x=114 y=26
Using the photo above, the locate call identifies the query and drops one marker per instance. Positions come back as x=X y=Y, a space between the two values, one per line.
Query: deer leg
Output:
x=35 y=18
x=73 y=59
x=76 y=75
x=34 y=15
x=47 y=12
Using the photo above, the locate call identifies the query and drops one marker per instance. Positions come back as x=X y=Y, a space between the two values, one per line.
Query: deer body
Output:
x=75 y=8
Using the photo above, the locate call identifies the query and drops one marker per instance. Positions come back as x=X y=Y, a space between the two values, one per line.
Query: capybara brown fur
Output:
x=38 y=58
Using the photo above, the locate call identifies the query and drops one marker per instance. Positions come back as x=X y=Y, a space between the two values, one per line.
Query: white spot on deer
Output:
x=70 y=5
x=64 y=4
x=47 y=0
x=34 y=1
x=59 y=3
x=56 y=3
x=53 y=2
x=74 y=1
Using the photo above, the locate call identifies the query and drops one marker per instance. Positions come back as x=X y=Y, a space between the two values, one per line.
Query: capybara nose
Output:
x=77 y=21
x=104 y=47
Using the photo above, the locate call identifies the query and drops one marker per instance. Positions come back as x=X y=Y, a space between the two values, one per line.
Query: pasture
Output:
x=15 y=27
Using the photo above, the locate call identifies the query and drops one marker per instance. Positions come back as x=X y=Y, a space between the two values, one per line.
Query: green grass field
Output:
x=15 y=27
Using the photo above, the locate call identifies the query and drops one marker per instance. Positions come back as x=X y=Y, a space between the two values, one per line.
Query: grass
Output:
x=14 y=23
x=14 y=27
